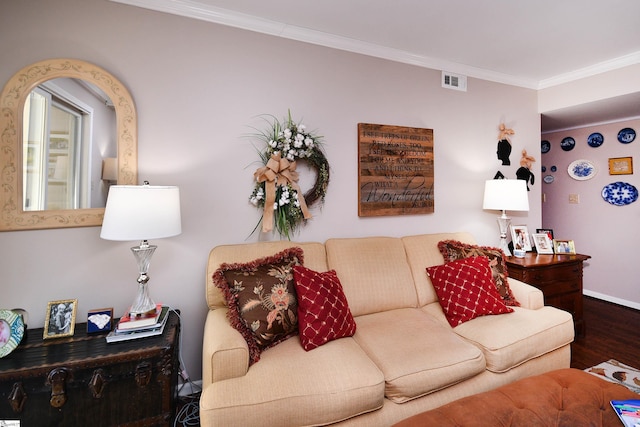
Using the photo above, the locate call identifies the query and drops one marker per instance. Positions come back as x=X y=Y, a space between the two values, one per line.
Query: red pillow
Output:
x=452 y=250
x=466 y=289
x=323 y=311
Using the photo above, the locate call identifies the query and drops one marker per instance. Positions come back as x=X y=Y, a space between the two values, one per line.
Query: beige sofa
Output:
x=404 y=357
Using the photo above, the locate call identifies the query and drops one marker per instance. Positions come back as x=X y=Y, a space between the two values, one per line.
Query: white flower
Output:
x=308 y=142
x=273 y=144
x=302 y=127
x=287 y=133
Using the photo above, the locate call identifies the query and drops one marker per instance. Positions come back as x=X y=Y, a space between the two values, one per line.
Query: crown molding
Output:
x=599 y=68
x=196 y=10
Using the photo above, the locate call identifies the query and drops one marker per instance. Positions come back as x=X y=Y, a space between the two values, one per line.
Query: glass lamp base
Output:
x=143 y=304
x=503 y=223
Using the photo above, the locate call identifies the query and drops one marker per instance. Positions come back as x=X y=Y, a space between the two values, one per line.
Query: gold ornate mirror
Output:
x=16 y=212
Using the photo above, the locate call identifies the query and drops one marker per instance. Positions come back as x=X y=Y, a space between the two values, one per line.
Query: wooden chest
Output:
x=84 y=381
x=559 y=277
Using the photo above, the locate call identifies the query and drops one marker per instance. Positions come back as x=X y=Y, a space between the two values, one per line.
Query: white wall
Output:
x=198 y=88
x=606 y=85
x=606 y=232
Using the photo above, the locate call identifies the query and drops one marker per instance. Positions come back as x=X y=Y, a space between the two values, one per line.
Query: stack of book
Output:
x=130 y=328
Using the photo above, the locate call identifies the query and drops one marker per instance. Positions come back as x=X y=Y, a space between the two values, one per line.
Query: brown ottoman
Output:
x=566 y=397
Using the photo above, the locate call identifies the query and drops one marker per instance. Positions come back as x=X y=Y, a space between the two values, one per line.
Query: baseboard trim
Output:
x=614 y=300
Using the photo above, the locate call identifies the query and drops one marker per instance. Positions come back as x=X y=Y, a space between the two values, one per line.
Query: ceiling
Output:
x=533 y=44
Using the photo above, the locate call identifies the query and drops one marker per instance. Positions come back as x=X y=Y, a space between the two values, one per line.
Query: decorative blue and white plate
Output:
x=626 y=135
x=581 y=170
x=620 y=193
x=595 y=140
x=11 y=331
x=548 y=179
x=567 y=143
x=545 y=146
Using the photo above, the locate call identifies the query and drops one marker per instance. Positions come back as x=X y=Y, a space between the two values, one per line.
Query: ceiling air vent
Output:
x=454 y=81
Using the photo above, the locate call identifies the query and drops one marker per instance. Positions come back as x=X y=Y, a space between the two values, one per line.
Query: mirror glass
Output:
x=68 y=130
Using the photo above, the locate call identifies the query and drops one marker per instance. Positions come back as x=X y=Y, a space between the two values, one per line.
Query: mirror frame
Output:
x=12 y=100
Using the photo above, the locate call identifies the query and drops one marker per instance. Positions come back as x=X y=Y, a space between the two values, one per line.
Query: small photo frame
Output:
x=621 y=166
x=520 y=237
x=544 y=245
x=99 y=320
x=60 y=319
x=564 y=247
x=547 y=231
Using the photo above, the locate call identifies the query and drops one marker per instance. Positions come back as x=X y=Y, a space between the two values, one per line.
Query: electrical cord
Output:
x=189 y=413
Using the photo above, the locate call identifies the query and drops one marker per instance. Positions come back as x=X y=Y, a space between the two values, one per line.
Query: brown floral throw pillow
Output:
x=453 y=250
x=262 y=299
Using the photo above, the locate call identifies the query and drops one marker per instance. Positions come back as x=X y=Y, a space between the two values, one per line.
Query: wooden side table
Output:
x=85 y=381
x=559 y=277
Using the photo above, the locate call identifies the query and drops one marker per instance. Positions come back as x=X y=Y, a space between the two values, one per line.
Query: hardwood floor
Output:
x=612 y=332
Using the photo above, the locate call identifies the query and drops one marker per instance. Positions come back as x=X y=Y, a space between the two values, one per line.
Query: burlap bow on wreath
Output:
x=277 y=191
x=278 y=171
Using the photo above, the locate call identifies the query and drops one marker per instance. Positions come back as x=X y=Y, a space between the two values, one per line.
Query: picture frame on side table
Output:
x=564 y=247
x=544 y=245
x=99 y=320
x=60 y=319
x=521 y=238
x=547 y=231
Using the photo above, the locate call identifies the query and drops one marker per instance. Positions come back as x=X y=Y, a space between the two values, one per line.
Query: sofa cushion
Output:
x=292 y=387
x=374 y=273
x=453 y=250
x=323 y=310
x=416 y=353
x=466 y=289
x=262 y=298
x=422 y=252
x=509 y=341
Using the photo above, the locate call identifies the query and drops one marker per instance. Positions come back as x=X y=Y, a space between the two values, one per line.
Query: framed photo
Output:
x=544 y=245
x=60 y=319
x=99 y=320
x=520 y=237
x=621 y=166
x=566 y=247
x=547 y=231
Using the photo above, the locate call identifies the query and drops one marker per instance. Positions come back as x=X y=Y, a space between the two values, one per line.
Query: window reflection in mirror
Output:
x=69 y=128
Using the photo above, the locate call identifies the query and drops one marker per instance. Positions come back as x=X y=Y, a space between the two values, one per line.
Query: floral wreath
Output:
x=276 y=190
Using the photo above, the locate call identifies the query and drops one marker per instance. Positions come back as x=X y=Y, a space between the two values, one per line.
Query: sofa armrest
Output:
x=225 y=353
x=528 y=296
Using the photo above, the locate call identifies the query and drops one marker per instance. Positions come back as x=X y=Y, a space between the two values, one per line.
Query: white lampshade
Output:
x=141 y=212
x=506 y=195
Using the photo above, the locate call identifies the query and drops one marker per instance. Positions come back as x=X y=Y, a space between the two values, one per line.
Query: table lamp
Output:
x=141 y=212
x=503 y=195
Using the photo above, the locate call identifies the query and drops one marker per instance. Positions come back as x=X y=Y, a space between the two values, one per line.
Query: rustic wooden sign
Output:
x=395 y=170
